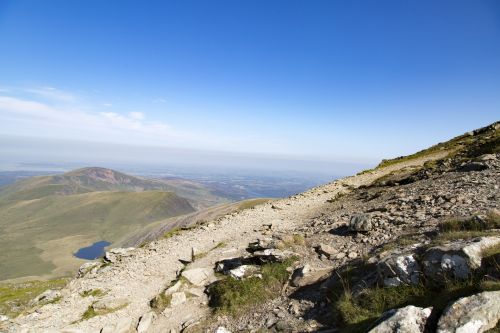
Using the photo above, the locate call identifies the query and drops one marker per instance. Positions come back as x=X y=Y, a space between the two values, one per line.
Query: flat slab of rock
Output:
x=473 y=314
x=305 y=276
x=198 y=276
x=327 y=250
x=410 y=319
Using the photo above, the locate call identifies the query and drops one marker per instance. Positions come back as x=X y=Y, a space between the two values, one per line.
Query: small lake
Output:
x=93 y=251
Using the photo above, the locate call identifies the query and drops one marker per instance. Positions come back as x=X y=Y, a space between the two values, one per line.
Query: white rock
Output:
x=198 y=276
x=197 y=292
x=173 y=288
x=410 y=319
x=474 y=314
x=457 y=259
x=178 y=298
x=145 y=322
x=222 y=329
x=243 y=271
x=397 y=269
x=114 y=255
x=3 y=318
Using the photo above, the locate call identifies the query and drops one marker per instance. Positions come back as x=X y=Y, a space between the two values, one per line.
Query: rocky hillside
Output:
x=410 y=246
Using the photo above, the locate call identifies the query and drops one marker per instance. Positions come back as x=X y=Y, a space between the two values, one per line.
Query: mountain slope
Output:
x=319 y=229
x=69 y=211
x=94 y=179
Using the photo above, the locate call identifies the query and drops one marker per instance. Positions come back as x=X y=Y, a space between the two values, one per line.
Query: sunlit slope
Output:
x=94 y=179
x=36 y=233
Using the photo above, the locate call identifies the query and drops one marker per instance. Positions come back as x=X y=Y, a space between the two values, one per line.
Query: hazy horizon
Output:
x=322 y=86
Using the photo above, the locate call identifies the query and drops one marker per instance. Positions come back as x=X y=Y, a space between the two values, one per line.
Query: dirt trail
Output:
x=150 y=269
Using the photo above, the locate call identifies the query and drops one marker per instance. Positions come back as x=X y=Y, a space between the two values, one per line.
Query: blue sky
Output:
x=330 y=80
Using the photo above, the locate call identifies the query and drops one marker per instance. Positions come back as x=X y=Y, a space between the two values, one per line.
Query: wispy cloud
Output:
x=159 y=101
x=53 y=113
x=52 y=94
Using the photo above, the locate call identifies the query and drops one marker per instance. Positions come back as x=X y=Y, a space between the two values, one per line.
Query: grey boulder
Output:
x=473 y=314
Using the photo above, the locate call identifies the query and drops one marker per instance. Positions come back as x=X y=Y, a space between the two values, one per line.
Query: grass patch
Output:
x=93 y=292
x=231 y=296
x=160 y=302
x=220 y=245
x=15 y=297
x=474 y=223
x=91 y=312
x=455 y=235
x=172 y=232
x=358 y=311
x=467 y=228
x=292 y=241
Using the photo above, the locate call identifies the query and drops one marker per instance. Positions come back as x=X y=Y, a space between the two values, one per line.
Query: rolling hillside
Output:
x=44 y=220
x=94 y=179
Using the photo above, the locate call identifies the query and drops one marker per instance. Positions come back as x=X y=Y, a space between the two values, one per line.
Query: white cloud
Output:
x=61 y=115
x=108 y=105
x=136 y=115
x=20 y=115
x=159 y=100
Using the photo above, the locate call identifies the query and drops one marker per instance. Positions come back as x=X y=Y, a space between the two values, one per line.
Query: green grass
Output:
x=467 y=228
x=14 y=298
x=463 y=146
x=27 y=225
x=357 y=313
x=231 y=296
x=160 y=302
x=491 y=221
x=91 y=312
x=93 y=292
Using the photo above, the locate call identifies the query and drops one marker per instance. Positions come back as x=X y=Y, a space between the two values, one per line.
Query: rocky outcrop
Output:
x=116 y=254
x=456 y=259
x=474 y=314
x=410 y=319
x=399 y=269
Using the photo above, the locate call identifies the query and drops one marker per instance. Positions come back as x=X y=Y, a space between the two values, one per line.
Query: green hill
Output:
x=44 y=220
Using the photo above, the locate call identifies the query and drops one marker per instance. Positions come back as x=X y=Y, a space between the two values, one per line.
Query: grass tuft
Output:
x=231 y=296
x=93 y=292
